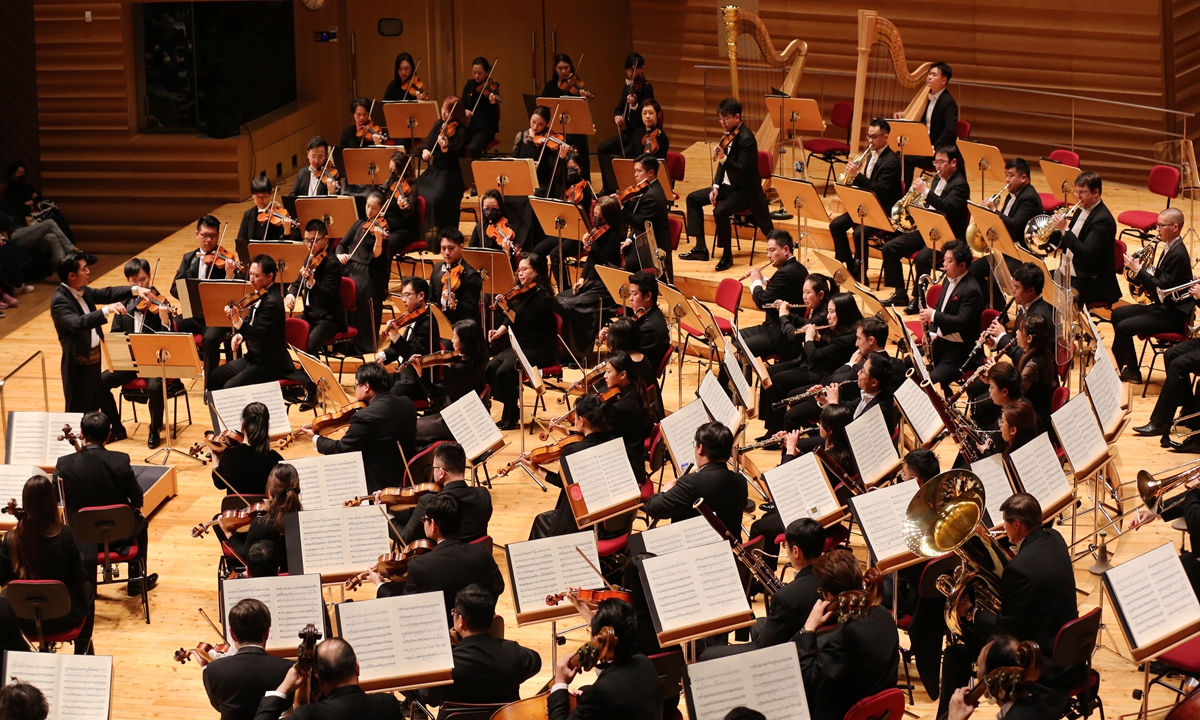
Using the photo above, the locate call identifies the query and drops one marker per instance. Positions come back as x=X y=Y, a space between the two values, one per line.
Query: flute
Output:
x=760 y=269
x=790 y=401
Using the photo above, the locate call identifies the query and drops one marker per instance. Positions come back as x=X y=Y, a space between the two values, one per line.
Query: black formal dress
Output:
x=467 y=297
x=637 y=144
x=447 y=568
x=1093 y=259
x=786 y=284
x=550 y=168
x=650 y=207
x=80 y=328
x=535 y=328
x=191 y=266
x=362 y=268
x=723 y=490
x=96 y=476
x=817 y=360
x=486 y=670
x=627 y=689
x=584 y=311
x=251 y=230
x=58 y=558
x=632 y=421
x=853 y=661
x=1168 y=315
x=579 y=142
x=264 y=347
x=956 y=320
x=349 y=701
x=474 y=502
x=323 y=309
x=246 y=470
x=380 y=431
x=485 y=118
x=404 y=226
x=739 y=187
x=442 y=182
x=135 y=321
x=236 y=683
x=881 y=176
x=949 y=197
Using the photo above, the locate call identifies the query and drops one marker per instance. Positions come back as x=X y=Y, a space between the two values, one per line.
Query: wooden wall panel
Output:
x=18 y=92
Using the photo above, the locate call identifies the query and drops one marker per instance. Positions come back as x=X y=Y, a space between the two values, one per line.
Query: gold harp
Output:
x=758 y=75
x=882 y=80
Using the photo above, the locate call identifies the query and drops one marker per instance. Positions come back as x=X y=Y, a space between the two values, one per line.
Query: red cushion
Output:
x=1185 y=657
x=1140 y=219
x=836 y=535
x=1050 y=203
x=725 y=326
x=139 y=384
x=552 y=371
x=820 y=146
x=417 y=246
x=914 y=326
x=287 y=382
x=63 y=635
x=604 y=548
x=1165 y=337
x=115 y=556
x=350 y=332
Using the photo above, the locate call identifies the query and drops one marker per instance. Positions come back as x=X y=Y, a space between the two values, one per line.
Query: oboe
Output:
x=978 y=371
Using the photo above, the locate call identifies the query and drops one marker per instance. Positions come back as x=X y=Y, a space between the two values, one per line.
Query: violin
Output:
x=583 y=385
x=393 y=565
x=328 y=421
x=727 y=140
x=378 y=227
x=568 y=418
x=12 y=509
x=232 y=520
x=542 y=455
x=370 y=131
x=69 y=435
x=513 y=294
x=401 y=192
x=573 y=85
x=396 y=498
x=650 y=141
x=639 y=314
x=200 y=452
x=329 y=176
x=633 y=191
x=395 y=324
x=249 y=299
x=220 y=258
x=553 y=141
x=447 y=132
x=306 y=662
x=591 y=597
x=437 y=359
x=156 y=303
x=452 y=281
x=218 y=442
x=575 y=194
x=277 y=215
x=590 y=238
x=203 y=652
x=501 y=231
x=489 y=87
x=413 y=86
x=314 y=260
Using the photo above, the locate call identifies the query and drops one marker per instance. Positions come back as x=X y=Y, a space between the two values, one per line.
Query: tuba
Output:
x=900 y=215
x=974 y=239
x=944 y=516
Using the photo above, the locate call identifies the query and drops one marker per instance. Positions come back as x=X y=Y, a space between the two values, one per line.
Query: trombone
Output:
x=1184 y=436
x=843 y=177
x=1152 y=489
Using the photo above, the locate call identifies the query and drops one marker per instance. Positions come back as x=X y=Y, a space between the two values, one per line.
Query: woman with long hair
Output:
x=283 y=497
x=482 y=100
x=630 y=407
x=401 y=215
x=530 y=316
x=403 y=72
x=465 y=376
x=551 y=161
x=564 y=76
x=1037 y=366
x=1009 y=670
x=492 y=210
x=442 y=183
x=363 y=260
x=588 y=299
x=245 y=466
x=1018 y=425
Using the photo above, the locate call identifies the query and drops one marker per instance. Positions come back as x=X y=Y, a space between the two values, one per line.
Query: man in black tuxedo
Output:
x=237 y=682
x=786 y=284
x=656 y=338
x=449 y=471
x=1037 y=597
x=80 y=328
x=470 y=290
x=418 y=337
x=383 y=431
x=627 y=687
x=451 y=565
x=1090 y=236
x=940 y=117
x=626 y=116
x=947 y=192
x=486 y=669
x=321 y=288
x=260 y=328
x=954 y=319
x=251 y=230
x=1028 y=282
x=1182 y=364
x=337 y=671
x=649 y=207
x=208 y=235
x=308 y=180
x=737 y=186
x=96 y=476
x=723 y=490
x=881 y=175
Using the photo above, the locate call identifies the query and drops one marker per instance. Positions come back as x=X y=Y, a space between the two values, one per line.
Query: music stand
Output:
x=338 y=213
x=495 y=268
x=574 y=115
x=508 y=176
x=154 y=353
x=215 y=295
x=616 y=281
x=995 y=233
x=330 y=392
x=367 y=166
x=623 y=172
x=803 y=198
x=1060 y=177
x=835 y=270
x=289 y=257
x=444 y=326
x=865 y=206
x=933 y=226
x=563 y=219
x=799 y=114
x=985 y=160
x=871 y=306
x=909 y=137
x=679 y=312
x=417 y=117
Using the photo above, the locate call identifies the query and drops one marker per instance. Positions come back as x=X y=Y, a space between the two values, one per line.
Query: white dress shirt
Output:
x=933 y=98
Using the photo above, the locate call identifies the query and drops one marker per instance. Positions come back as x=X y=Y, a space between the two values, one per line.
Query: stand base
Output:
x=166 y=455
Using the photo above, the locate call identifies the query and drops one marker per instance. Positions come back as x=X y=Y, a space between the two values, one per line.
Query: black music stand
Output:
x=564 y=219
x=153 y=353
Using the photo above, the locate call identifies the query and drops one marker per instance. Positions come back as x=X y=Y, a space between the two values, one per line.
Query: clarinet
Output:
x=978 y=371
x=983 y=338
x=754 y=563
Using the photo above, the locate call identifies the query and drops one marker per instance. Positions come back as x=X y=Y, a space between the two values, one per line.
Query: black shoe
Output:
x=153 y=440
x=767 y=506
x=912 y=308
x=1190 y=446
x=1150 y=429
x=896 y=300
x=724 y=263
x=1132 y=376
x=1164 y=441
x=117 y=434
x=134 y=587
x=699 y=254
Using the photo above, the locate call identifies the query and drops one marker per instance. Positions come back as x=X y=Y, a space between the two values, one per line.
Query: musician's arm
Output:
x=949 y=134
x=886 y=180
x=951 y=200
x=674 y=503
x=968 y=313
x=180 y=273
x=132 y=490
x=356 y=438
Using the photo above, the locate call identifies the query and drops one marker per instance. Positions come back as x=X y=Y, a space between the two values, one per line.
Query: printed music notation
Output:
x=692 y=586
x=472 y=426
x=604 y=476
x=767 y=680
x=1040 y=473
x=77 y=687
x=337 y=540
x=294 y=601
x=675 y=537
x=717 y=401
x=1153 y=598
x=402 y=639
x=872 y=446
x=326 y=481
x=997 y=487
x=1080 y=433
x=549 y=566
x=800 y=489
x=881 y=514
x=919 y=410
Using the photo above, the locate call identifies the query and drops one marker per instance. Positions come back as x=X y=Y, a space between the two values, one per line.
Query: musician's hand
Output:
x=506 y=244
x=619 y=121
x=380 y=357
x=1133 y=263
x=995 y=330
x=631 y=99
x=990 y=205
x=577 y=285
x=851 y=169
x=791 y=442
x=712 y=196
x=236 y=343
x=625 y=243
x=1059 y=222
x=831 y=393
x=719 y=154
x=818 y=616
x=292 y=681
x=115 y=309
x=343 y=258
x=810 y=333
x=305 y=432
x=920 y=185
x=375 y=577
x=425 y=155
x=416 y=361
x=1143 y=516
x=563 y=672
x=603 y=337
x=784 y=308
x=470 y=114
x=306 y=273
x=959 y=709
x=289 y=302
x=898 y=116
x=927 y=314
x=756 y=274
x=1194 y=291
x=856 y=358
x=492 y=335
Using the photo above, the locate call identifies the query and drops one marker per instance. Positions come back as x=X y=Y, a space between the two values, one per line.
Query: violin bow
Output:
x=412 y=91
x=485 y=84
x=383 y=509
x=594 y=568
x=212 y=624
x=325 y=167
x=231 y=488
x=374 y=221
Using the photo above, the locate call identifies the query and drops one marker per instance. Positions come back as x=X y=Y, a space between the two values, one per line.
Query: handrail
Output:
x=4 y=384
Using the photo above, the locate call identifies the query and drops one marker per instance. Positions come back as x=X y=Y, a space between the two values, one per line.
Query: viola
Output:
x=501 y=231
x=513 y=294
x=650 y=141
x=451 y=282
x=575 y=192
x=489 y=87
x=553 y=141
x=583 y=385
x=592 y=235
x=306 y=662
x=633 y=191
x=561 y=422
x=370 y=131
x=591 y=597
x=277 y=215
x=232 y=520
x=203 y=652
x=437 y=359
x=248 y=299
x=573 y=85
x=727 y=140
x=69 y=435
x=12 y=509
x=542 y=455
x=328 y=421
x=396 y=498
x=156 y=303
x=393 y=565
x=395 y=324
x=447 y=132
x=220 y=258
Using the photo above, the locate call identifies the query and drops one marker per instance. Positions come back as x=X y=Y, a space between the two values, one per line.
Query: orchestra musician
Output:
x=1018 y=425
x=818 y=288
x=96 y=476
x=626 y=688
x=625 y=336
x=1089 y=238
x=1182 y=362
x=1037 y=366
x=564 y=74
x=1186 y=506
x=633 y=408
x=262 y=560
x=643 y=298
x=360 y=110
x=404 y=228
x=137 y=274
x=237 y=682
x=643 y=140
x=486 y=669
x=193 y=265
x=383 y=431
x=251 y=229
x=492 y=210
x=461 y=377
x=449 y=471
x=940 y=118
x=1028 y=281
x=466 y=298
x=1017 y=697
x=1003 y=386
x=20 y=199
x=947 y=192
x=320 y=287
x=442 y=183
x=362 y=258
x=259 y=328
x=482 y=108
x=417 y=337
x=283 y=496
x=625 y=115
x=43 y=548
x=824 y=349
x=736 y=186
x=79 y=325
x=245 y=466
x=341 y=696
x=650 y=206
x=723 y=490
x=1162 y=315
x=954 y=318
x=876 y=383
x=594 y=421
x=787 y=284
x=588 y=300
x=858 y=658
x=531 y=144
x=530 y=316
x=308 y=180
x=404 y=69
x=1021 y=204
x=881 y=176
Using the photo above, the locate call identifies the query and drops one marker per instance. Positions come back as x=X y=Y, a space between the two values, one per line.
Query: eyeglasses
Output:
x=407 y=294
x=1163 y=225
x=874 y=136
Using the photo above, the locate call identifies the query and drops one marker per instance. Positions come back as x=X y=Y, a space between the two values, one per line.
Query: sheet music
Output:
x=294 y=601
x=800 y=489
x=915 y=348
x=767 y=680
x=881 y=513
x=534 y=374
x=13 y=479
x=1079 y=432
x=679 y=432
x=185 y=301
x=33 y=437
x=734 y=369
x=919 y=410
x=1154 y=594
x=680 y=535
x=872 y=445
x=551 y=565
x=120 y=354
x=231 y=401
x=717 y=401
x=737 y=333
x=996 y=486
x=604 y=475
x=1039 y=472
x=691 y=586
x=472 y=425
x=326 y=481
x=342 y=539
x=1105 y=389
x=397 y=636
x=77 y=687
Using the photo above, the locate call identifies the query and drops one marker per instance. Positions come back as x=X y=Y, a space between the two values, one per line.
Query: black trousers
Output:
x=548 y=248
x=838 y=227
x=899 y=247
x=729 y=201
x=605 y=153
x=478 y=144
x=1182 y=364
x=154 y=396
x=786 y=380
x=948 y=357
x=1131 y=320
x=504 y=372
x=210 y=345
x=237 y=373
x=320 y=333
x=764 y=340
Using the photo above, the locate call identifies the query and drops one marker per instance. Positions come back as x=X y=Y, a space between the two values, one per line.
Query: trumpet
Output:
x=1178 y=293
x=760 y=269
x=843 y=178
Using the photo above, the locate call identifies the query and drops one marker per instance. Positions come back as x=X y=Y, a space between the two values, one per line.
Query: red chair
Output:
x=1164 y=180
x=348 y=291
x=136 y=393
x=40 y=600
x=914 y=326
x=676 y=226
x=832 y=151
x=729 y=297
x=1059 y=398
x=1050 y=201
x=420 y=466
x=1076 y=642
x=105 y=525
x=1159 y=344
x=419 y=245
x=676 y=167
x=886 y=705
x=963 y=130
x=295 y=333
x=742 y=218
x=554 y=371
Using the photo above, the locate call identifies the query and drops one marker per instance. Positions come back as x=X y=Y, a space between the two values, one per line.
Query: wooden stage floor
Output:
x=149 y=684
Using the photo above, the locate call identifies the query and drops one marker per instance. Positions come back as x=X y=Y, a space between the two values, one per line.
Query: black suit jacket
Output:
x=235 y=684
x=854 y=661
x=1174 y=268
x=303 y=178
x=626 y=689
x=656 y=338
x=322 y=301
x=1189 y=509
x=943 y=124
x=486 y=670
x=723 y=490
x=345 y=702
x=450 y=567
x=189 y=267
x=953 y=203
x=1025 y=206
x=469 y=292
x=375 y=430
x=789 y=610
x=962 y=313
x=262 y=331
x=740 y=167
x=128 y=322
x=1038 y=307
x=251 y=230
x=631 y=113
x=651 y=206
x=534 y=325
x=73 y=325
x=420 y=337
x=474 y=502
x=97 y=476
x=1094 y=262
x=786 y=284
x=885 y=179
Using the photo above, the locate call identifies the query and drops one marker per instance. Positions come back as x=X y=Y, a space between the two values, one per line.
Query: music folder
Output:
x=695 y=593
x=1154 y=602
x=602 y=484
x=401 y=642
x=76 y=687
x=768 y=680
x=881 y=515
x=549 y=566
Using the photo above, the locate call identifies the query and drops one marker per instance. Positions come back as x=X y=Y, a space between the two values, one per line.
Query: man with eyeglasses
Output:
x=449 y=471
x=418 y=337
x=879 y=174
x=199 y=264
x=1088 y=238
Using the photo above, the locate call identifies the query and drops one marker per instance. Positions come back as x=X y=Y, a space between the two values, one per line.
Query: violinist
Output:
x=362 y=132
x=283 y=496
x=579 y=188
x=362 y=258
x=649 y=206
x=530 y=316
x=531 y=142
x=319 y=284
x=246 y=466
x=652 y=324
x=460 y=377
x=442 y=183
x=401 y=215
x=43 y=548
x=589 y=297
x=493 y=212
x=787 y=284
x=418 y=336
x=449 y=471
x=722 y=489
x=648 y=137
x=625 y=336
x=137 y=274
x=593 y=420
x=565 y=83
x=461 y=302
x=96 y=476
x=403 y=86
x=251 y=229
x=259 y=327
x=481 y=97
x=625 y=114
x=194 y=265
x=337 y=673
x=309 y=182
x=383 y=431
x=236 y=682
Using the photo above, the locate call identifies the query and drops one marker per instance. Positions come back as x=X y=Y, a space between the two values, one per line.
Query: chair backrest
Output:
x=98 y=523
x=662 y=364
x=931 y=295
x=30 y=598
x=420 y=210
x=496 y=629
x=676 y=165
x=1164 y=180
x=676 y=228
x=295 y=332
x=927 y=587
x=887 y=704
x=842 y=114
x=656 y=457
x=558 y=323
x=765 y=164
x=669 y=666
x=1059 y=398
x=1119 y=249
x=963 y=130
x=420 y=467
x=348 y=293
x=729 y=294
x=1077 y=639
x=1066 y=157
x=986 y=319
